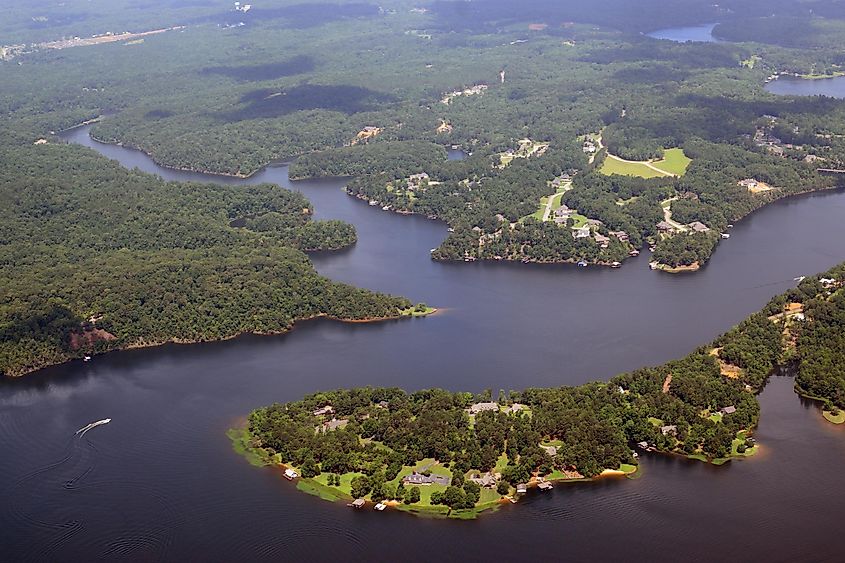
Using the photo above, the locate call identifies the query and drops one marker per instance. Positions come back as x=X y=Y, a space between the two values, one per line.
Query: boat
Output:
x=86 y=359
x=634 y=253
x=799 y=279
x=380 y=506
x=726 y=235
x=616 y=265
x=386 y=208
x=582 y=263
x=88 y=427
x=290 y=474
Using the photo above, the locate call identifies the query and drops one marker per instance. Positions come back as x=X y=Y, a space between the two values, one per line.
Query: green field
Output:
x=674 y=162
x=613 y=165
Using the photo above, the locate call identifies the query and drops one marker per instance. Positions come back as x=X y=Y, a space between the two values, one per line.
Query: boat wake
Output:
x=81 y=432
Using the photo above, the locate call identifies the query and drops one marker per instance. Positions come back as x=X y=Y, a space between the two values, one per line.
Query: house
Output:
x=481 y=407
x=699 y=227
x=416 y=180
x=621 y=235
x=665 y=226
x=728 y=410
x=589 y=147
x=669 y=430
x=551 y=450
x=515 y=408
x=328 y=409
x=749 y=183
x=290 y=474
x=521 y=488
x=602 y=240
x=332 y=424
x=382 y=404
x=425 y=480
x=582 y=232
x=486 y=480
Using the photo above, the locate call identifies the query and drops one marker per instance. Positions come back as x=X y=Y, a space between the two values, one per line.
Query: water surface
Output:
x=696 y=33
x=794 y=86
x=161 y=481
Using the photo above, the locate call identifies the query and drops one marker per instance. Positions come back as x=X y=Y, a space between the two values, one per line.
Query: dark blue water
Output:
x=160 y=482
x=793 y=86
x=697 y=33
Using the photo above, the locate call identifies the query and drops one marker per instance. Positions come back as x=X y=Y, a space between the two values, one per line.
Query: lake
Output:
x=697 y=33
x=794 y=86
x=162 y=482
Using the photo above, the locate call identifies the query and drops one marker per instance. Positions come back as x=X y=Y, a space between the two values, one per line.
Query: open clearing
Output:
x=673 y=163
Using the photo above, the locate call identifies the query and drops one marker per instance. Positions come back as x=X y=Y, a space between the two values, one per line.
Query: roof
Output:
x=358 y=502
x=699 y=227
x=551 y=450
x=488 y=406
x=729 y=410
x=665 y=226
x=668 y=429
x=420 y=479
x=486 y=480
x=324 y=410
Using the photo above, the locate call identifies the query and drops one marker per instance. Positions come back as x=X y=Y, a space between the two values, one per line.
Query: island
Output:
x=442 y=453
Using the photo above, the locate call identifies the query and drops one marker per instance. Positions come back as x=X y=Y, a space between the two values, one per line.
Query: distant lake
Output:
x=794 y=86
x=699 y=33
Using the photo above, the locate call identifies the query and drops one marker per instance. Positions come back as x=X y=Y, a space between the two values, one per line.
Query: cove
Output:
x=161 y=481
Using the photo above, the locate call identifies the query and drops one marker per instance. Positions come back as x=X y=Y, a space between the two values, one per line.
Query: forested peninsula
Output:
x=94 y=257
x=444 y=453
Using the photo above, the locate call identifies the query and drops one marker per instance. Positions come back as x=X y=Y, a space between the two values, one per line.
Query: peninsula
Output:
x=443 y=453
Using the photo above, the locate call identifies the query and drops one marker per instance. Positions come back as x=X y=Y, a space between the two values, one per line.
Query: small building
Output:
x=515 y=408
x=669 y=430
x=545 y=486
x=416 y=180
x=665 y=226
x=290 y=474
x=620 y=235
x=642 y=445
x=521 y=488
x=551 y=450
x=699 y=227
x=335 y=423
x=582 y=232
x=728 y=410
x=358 y=503
x=425 y=480
x=322 y=411
x=481 y=407
x=380 y=506
x=487 y=480
x=602 y=240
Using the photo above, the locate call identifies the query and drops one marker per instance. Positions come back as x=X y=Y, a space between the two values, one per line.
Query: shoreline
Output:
x=259 y=457
x=141 y=344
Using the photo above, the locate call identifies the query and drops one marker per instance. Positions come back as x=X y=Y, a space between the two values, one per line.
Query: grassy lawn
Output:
x=627 y=468
x=835 y=419
x=613 y=165
x=674 y=162
x=501 y=463
x=578 y=220
x=716 y=417
x=412 y=312
x=655 y=421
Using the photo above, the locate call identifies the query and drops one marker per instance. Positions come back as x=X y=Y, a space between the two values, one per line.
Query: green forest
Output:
x=97 y=257
x=366 y=442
